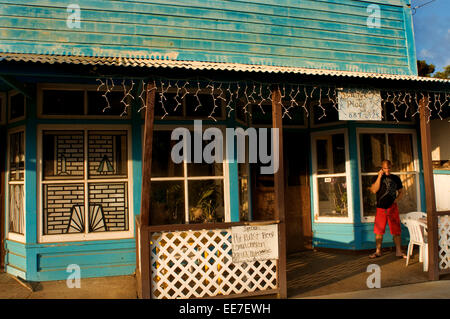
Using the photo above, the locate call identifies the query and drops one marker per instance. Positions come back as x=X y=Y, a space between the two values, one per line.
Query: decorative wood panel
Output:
x=198 y=264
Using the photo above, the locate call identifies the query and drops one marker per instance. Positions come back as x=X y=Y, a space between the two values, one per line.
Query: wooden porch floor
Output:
x=315 y=273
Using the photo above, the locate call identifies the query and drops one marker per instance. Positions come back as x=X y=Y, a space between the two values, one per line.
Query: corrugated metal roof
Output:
x=194 y=65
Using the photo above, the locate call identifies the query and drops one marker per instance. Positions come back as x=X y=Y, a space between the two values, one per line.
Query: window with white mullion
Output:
x=184 y=192
x=16 y=184
x=84 y=182
x=330 y=176
x=399 y=147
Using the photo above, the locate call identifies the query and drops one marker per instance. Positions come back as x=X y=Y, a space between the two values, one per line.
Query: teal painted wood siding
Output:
x=326 y=34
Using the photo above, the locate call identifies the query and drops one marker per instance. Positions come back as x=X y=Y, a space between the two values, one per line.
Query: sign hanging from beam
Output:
x=359 y=105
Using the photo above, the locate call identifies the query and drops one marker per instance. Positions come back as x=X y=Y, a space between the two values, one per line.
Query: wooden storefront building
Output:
x=91 y=93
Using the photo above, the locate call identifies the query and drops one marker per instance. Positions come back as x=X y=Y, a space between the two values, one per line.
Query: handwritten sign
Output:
x=252 y=243
x=359 y=105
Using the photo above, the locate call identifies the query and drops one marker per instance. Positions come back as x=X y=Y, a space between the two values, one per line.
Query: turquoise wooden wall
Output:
x=325 y=34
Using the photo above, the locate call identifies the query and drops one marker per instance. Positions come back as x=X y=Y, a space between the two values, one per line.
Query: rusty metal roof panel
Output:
x=195 y=65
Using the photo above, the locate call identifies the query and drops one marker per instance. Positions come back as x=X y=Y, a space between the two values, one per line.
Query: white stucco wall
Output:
x=440 y=140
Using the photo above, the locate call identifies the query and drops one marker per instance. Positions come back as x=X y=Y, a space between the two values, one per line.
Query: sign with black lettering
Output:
x=359 y=105
x=250 y=243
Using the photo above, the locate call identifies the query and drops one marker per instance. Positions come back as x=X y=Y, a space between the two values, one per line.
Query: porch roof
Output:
x=208 y=66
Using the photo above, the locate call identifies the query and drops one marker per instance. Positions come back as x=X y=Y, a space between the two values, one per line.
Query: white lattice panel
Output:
x=198 y=264
x=444 y=242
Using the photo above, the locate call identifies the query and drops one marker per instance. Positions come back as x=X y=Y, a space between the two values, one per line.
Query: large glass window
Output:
x=330 y=176
x=185 y=192
x=399 y=149
x=84 y=181
x=16 y=165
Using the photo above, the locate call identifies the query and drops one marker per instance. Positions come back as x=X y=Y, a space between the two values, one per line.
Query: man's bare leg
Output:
x=378 y=242
x=398 y=246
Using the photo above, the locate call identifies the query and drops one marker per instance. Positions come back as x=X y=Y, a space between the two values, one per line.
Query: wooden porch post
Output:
x=279 y=191
x=145 y=196
x=433 y=240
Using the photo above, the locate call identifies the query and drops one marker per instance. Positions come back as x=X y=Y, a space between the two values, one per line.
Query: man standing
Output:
x=389 y=189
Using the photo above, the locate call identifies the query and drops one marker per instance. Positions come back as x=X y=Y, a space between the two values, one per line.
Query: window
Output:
x=2 y=108
x=399 y=147
x=331 y=183
x=185 y=192
x=16 y=106
x=194 y=105
x=81 y=101
x=16 y=178
x=263 y=115
x=85 y=184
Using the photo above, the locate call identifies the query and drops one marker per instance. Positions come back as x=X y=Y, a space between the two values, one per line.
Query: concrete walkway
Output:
x=425 y=290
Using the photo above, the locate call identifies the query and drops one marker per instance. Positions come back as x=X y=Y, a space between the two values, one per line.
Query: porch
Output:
x=309 y=274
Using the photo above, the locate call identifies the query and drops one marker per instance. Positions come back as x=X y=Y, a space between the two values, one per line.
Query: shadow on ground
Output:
x=315 y=273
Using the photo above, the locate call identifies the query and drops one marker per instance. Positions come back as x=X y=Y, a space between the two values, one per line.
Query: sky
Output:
x=432 y=32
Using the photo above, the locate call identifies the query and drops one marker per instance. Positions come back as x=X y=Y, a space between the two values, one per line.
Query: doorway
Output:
x=297 y=192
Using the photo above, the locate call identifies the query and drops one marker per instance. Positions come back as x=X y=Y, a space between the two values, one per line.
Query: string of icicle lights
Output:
x=293 y=96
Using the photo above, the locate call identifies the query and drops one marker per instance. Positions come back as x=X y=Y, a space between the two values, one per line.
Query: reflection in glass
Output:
x=16 y=156
x=206 y=201
x=63 y=154
x=162 y=163
x=369 y=198
x=203 y=169
x=331 y=161
x=107 y=152
x=401 y=152
x=243 y=192
x=333 y=197
x=373 y=151
x=16 y=209
x=408 y=203
x=63 y=210
x=167 y=203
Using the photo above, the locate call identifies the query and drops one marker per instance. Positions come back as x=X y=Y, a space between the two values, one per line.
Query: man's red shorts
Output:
x=389 y=215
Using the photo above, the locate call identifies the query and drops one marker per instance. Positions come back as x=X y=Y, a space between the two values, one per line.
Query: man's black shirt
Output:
x=387 y=193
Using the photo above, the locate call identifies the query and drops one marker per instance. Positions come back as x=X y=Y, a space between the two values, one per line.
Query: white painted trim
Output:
x=10 y=235
x=85 y=181
x=11 y=94
x=347 y=174
x=359 y=131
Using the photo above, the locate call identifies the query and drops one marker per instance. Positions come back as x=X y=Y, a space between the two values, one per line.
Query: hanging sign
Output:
x=250 y=243
x=359 y=105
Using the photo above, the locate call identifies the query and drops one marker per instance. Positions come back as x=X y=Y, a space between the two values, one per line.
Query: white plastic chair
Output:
x=412 y=215
x=417 y=237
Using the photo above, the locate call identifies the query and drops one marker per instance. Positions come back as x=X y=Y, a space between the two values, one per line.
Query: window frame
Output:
x=315 y=185
x=17 y=119
x=185 y=178
x=73 y=87
x=110 y=235
x=12 y=235
x=416 y=172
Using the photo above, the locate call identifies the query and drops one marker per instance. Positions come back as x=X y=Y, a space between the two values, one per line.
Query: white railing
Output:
x=198 y=264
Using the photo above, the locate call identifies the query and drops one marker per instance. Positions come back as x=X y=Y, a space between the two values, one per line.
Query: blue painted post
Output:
x=233 y=177
x=136 y=154
x=31 y=184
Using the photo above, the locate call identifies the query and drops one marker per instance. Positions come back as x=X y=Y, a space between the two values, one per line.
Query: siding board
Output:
x=308 y=33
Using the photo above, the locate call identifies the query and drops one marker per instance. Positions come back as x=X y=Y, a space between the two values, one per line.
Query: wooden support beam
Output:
x=277 y=123
x=16 y=85
x=145 y=272
x=433 y=232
